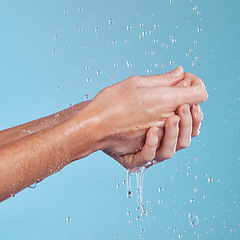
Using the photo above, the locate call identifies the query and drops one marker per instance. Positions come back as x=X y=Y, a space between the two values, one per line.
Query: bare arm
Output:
x=117 y=119
x=23 y=130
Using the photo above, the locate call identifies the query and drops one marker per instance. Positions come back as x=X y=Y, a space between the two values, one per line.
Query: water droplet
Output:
x=193 y=219
x=54 y=50
x=116 y=236
x=110 y=21
x=68 y=219
x=86 y=96
x=210 y=180
x=163 y=65
x=141 y=25
x=65 y=11
x=196 y=176
x=171 y=62
x=195 y=8
x=60 y=29
x=160 y=201
x=118 y=185
x=96 y=30
x=155 y=40
x=115 y=65
x=160 y=189
x=129 y=213
x=156 y=26
x=129 y=194
x=148 y=201
x=124 y=182
x=129 y=28
x=83 y=47
x=56 y=36
x=87 y=67
x=99 y=73
x=33 y=185
x=180 y=235
x=89 y=79
x=114 y=42
x=130 y=221
x=195 y=189
x=156 y=65
x=94 y=60
x=192 y=200
x=171 y=2
x=204 y=196
x=138 y=218
x=188 y=173
x=142 y=230
x=79 y=9
x=172 y=175
x=68 y=40
x=199 y=29
x=149 y=71
x=129 y=64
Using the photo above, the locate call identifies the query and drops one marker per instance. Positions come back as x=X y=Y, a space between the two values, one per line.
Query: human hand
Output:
x=160 y=143
x=132 y=111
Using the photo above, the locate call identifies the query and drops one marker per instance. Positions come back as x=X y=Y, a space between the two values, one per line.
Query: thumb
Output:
x=194 y=94
x=164 y=80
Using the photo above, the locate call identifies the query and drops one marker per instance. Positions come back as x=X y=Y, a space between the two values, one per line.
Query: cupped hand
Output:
x=162 y=143
x=159 y=145
x=129 y=108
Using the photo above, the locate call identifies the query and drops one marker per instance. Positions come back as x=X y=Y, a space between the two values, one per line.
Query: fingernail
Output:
x=177 y=72
x=176 y=122
x=186 y=110
x=155 y=134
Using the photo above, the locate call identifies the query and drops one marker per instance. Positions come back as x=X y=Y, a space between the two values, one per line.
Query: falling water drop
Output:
x=193 y=219
x=129 y=27
x=129 y=191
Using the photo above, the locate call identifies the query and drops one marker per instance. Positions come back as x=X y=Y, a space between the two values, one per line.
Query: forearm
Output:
x=23 y=130
x=34 y=157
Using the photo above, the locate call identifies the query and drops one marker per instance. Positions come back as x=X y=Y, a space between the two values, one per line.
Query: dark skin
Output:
x=133 y=121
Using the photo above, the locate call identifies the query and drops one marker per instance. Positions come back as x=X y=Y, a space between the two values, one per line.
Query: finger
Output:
x=167 y=79
x=185 y=126
x=169 y=142
x=197 y=117
x=183 y=83
x=148 y=152
x=176 y=96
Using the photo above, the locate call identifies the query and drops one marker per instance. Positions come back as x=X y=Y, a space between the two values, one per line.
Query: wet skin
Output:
x=125 y=120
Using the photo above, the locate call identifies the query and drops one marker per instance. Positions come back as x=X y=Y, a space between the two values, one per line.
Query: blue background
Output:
x=48 y=51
